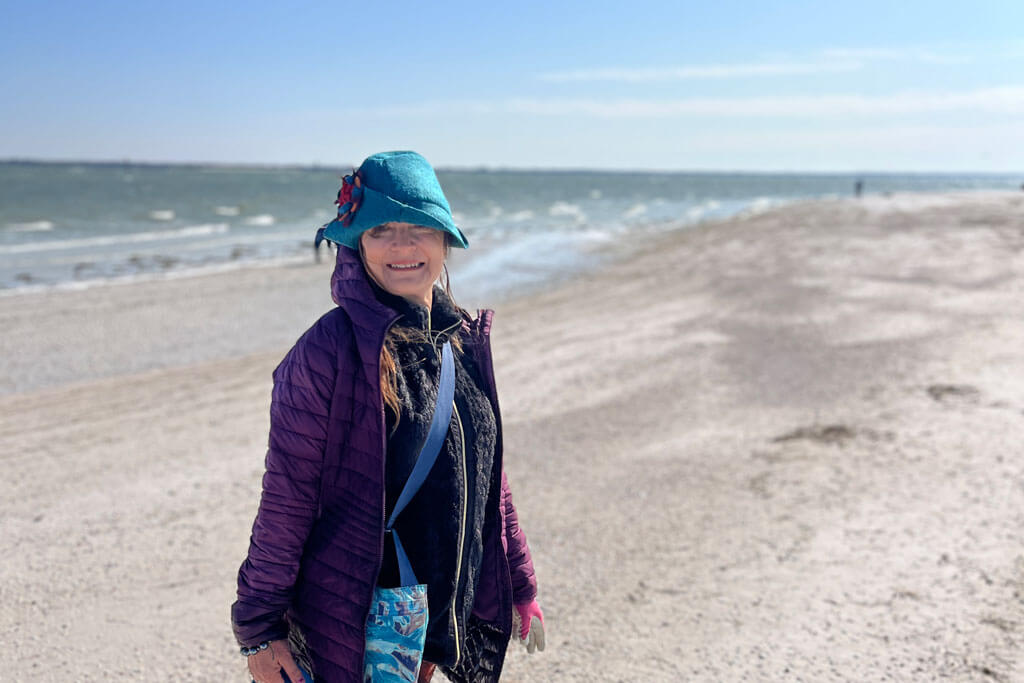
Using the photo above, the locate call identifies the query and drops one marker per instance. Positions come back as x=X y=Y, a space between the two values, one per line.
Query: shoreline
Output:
x=296 y=288
x=297 y=292
x=775 y=447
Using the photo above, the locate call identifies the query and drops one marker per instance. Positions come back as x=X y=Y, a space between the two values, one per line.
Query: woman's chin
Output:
x=414 y=291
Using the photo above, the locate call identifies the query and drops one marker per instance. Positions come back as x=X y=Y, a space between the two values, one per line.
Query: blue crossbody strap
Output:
x=428 y=455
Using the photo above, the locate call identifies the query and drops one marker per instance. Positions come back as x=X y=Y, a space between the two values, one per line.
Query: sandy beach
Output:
x=784 y=447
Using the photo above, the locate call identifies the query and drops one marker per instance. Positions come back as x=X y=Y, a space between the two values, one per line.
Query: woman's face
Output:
x=404 y=259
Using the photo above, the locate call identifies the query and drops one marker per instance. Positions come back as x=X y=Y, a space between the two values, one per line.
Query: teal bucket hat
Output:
x=399 y=187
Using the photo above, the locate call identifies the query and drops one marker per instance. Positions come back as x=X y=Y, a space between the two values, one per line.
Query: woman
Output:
x=352 y=404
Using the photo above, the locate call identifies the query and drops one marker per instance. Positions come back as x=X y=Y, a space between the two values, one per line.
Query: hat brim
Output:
x=377 y=208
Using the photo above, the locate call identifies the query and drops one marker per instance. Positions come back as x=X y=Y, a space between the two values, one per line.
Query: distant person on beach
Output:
x=858 y=187
x=317 y=241
x=316 y=247
x=353 y=435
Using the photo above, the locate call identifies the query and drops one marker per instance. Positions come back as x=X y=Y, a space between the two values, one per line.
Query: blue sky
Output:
x=833 y=86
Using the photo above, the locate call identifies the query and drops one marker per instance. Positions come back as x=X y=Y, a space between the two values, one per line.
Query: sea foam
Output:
x=635 y=211
x=567 y=209
x=262 y=219
x=30 y=226
x=108 y=240
x=520 y=216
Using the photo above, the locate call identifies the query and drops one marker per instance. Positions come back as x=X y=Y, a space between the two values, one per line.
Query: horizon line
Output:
x=484 y=168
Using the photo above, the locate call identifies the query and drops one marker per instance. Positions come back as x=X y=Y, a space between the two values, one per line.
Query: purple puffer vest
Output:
x=317 y=541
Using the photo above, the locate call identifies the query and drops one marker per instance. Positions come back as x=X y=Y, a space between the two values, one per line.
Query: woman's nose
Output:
x=402 y=238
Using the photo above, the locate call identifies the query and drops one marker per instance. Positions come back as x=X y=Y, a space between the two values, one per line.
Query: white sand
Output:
x=785 y=447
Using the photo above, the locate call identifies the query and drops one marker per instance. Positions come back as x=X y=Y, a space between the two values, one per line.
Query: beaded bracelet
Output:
x=250 y=651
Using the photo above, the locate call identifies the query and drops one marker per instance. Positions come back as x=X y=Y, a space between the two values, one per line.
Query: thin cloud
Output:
x=999 y=100
x=925 y=56
x=1003 y=100
x=879 y=147
x=830 y=60
x=712 y=71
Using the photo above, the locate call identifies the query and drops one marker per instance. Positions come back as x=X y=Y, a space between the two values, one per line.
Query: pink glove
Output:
x=531 y=626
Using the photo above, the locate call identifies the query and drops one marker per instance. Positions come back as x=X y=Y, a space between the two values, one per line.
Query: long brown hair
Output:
x=400 y=334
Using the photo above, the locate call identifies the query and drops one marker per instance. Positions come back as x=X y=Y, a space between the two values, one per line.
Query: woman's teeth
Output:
x=404 y=266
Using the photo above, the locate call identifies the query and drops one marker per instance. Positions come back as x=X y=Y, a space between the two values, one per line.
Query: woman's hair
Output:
x=399 y=334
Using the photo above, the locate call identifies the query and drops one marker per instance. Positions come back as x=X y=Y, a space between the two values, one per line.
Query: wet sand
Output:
x=784 y=447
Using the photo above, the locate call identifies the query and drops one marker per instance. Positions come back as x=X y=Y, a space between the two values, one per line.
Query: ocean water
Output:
x=74 y=225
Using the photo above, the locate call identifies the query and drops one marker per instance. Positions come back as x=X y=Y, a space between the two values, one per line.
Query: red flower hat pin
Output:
x=350 y=196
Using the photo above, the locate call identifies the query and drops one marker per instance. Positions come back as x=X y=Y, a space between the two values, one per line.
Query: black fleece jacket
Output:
x=447 y=514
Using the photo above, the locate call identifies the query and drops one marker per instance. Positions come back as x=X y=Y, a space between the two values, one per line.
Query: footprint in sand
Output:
x=951 y=392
